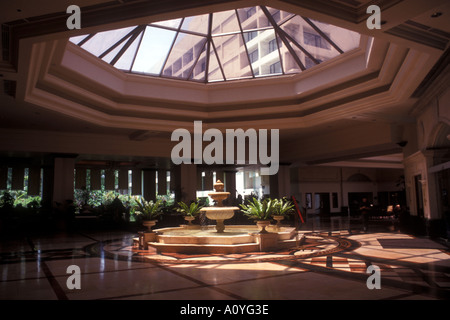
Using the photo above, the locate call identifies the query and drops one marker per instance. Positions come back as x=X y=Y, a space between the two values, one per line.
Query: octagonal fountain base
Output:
x=235 y=239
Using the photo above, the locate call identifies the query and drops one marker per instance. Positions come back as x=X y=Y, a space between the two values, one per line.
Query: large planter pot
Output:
x=262 y=225
x=149 y=224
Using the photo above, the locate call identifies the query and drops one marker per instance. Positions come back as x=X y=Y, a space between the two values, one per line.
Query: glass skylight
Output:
x=236 y=44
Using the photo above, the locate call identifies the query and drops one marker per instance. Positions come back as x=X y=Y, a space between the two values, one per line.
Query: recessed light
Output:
x=436 y=14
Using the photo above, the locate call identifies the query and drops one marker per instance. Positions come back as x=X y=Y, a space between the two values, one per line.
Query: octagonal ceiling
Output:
x=372 y=79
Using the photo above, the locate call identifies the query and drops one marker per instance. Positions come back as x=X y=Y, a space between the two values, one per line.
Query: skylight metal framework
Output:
x=242 y=43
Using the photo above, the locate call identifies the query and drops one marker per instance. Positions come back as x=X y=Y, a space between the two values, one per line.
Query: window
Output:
x=273 y=45
x=253 y=56
x=315 y=40
x=250 y=35
x=188 y=56
x=250 y=12
x=275 y=68
x=277 y=16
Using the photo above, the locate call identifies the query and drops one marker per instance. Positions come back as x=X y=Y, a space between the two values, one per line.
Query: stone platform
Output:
x=236 y=239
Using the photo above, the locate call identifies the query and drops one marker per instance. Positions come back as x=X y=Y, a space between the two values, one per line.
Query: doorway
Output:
x=322 y=203
x=355 y=199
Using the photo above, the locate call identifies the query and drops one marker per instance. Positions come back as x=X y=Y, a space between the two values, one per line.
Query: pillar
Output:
x=123 y=179
x=136 y=182
x=149 y=184
x=110 y=180
x=209 y=177
x=63 y=179
x=230 y=184
x=34 y=181
x=17 y=182
x=280 y=183
x=185 y=176
x=162 y=182
x=3 y=177
x=80 y=178
x=96 y=179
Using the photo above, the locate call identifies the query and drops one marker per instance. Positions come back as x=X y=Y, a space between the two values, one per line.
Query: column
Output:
x=3 y=177
x=63 y=179
x=149 y=184
x=17 y=182
x=185 y=177
x=188 y=173
x=136 y=182
x=123 y=179
x=162 y=182
x=96 y=179
x=280 y=183
x=34 y=181
x=110 y=180
x=230 y=185
x=47 y=185
x=209 y=177
x=80 y=178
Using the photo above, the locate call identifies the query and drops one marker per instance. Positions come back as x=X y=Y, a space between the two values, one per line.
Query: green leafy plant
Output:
x=282 y=207
x=148 y=210
x=189 y=210
x=257 y=209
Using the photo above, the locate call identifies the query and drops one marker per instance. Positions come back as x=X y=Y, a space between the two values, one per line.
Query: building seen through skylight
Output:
x=234 y=44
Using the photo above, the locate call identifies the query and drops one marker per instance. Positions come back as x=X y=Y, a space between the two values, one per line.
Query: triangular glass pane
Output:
x=102 y=41
x=199 y=72
x=77 y=39
x=198 y=24
x=275 y=13
x=225 y=22
x=110 y=56
x=309 y=39
x=126 y=60
x=345 y=39
x=253 y=18
x=153 y=50
x=280 y=16
x=214 y=72
x=182 y=57
x=289 y=64
x=174 y=23
x=233 y=56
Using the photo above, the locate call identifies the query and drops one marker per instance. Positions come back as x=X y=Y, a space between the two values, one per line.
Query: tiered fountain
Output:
x=189 y=239
x=219 y=213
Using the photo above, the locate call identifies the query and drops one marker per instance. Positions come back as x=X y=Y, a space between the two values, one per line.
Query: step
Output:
x=204 y=248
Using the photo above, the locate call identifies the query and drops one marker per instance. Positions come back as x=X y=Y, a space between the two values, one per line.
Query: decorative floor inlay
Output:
x=315 y=245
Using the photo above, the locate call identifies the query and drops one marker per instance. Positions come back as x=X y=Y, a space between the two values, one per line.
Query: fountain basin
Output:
x=219 y=213
x=236 y=239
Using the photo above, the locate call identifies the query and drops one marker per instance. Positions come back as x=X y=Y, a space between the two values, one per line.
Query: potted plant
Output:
x=148 y=211
x=261 y=211
x=189 y=211
x=281 y=209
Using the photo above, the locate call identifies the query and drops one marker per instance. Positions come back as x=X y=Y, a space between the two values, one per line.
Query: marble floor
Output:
x=35 y=267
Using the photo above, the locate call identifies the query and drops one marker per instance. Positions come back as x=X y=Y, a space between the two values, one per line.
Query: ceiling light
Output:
x=436 y=14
